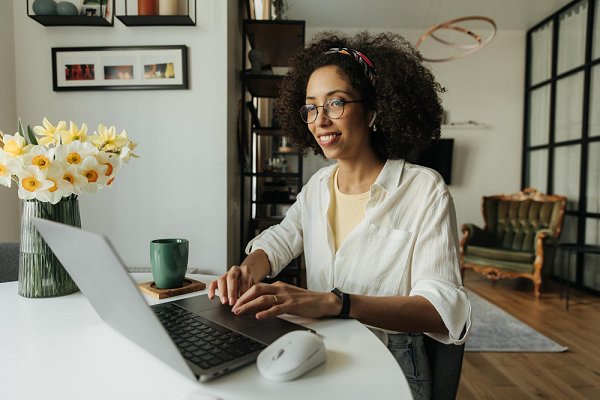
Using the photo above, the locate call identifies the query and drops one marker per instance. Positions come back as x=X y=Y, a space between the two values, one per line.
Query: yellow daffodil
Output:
x=48 y=133
x=15 y=145
x=32 y=181
x=9 y=166
x=74 y=133
x=39 y=156
x=106 y=139
x=59 y=189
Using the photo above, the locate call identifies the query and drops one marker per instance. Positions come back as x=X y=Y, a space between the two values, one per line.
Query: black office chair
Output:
x=445 y=361
x=9 y=262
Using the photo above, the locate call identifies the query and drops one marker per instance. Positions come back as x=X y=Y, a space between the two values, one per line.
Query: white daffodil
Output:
x=39 y=156
x=32 y=181
x=75 y=152
x=94 y=172
x=15 y=145
x=50 y=134
x=106 y=139
x=74 y=181
x=112 y=162
x=59 y=189
x=9 y=166
x=74 y=133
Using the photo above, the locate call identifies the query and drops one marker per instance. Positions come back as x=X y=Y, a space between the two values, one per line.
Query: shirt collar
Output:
x=388 y=179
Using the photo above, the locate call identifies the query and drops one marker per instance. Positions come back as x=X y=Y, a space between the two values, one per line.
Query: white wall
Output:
x=9 y=203
x=486 y=87
x=178 y=188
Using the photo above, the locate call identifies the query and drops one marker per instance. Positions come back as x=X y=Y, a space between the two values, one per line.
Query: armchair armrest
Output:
x=541 y=237
x=472 y=234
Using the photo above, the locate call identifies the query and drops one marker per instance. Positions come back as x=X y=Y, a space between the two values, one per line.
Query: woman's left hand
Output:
x=270 y=300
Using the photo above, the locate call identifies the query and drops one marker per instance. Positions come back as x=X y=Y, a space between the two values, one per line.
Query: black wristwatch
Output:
x=345 y=297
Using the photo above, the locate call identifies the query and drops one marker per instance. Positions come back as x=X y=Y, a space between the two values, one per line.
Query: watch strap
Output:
x=345 y=297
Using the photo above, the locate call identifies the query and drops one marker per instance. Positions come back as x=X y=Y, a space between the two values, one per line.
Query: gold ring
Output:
x=274 y=299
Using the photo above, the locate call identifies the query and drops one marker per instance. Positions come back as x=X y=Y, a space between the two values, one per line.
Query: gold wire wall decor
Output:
x=479 y=41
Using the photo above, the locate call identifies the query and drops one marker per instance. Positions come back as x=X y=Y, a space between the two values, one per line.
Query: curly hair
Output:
x=405 y=94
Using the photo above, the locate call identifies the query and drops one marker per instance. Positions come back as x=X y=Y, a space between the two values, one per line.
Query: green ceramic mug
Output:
x=169 y=259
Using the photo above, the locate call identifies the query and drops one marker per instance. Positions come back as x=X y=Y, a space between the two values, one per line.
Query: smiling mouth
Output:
x=329 y=138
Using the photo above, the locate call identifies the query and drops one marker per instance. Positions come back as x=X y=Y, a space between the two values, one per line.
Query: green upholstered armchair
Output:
x=519 y=236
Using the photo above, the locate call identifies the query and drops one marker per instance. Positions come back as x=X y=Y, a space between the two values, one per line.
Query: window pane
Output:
x=566 y=173
x=569 y=108
x=594 y=127
x=541 y=53
x=539 y=111
x=596 y=52
x=538 y=170
x=591 y=262
x=593 y=183
x=571 y=37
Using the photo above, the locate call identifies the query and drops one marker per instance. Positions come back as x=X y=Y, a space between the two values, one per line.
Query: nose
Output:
x=322 y=118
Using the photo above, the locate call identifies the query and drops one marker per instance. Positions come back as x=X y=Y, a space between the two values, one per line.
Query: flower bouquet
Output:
x=52 y=166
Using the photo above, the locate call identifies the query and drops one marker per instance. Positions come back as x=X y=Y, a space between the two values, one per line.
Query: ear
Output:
x=372 y=121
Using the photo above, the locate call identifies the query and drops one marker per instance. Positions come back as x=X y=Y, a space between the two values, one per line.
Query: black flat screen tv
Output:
x=437 y=156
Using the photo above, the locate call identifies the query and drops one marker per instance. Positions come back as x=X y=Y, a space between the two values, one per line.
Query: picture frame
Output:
x=119 y=68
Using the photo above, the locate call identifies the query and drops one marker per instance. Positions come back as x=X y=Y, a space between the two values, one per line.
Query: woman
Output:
x=378 y=234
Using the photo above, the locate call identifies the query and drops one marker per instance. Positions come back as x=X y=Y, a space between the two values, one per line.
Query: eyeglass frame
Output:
x=328 y=102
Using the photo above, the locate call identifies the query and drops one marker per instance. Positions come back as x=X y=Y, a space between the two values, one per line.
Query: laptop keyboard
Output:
x=200 y=341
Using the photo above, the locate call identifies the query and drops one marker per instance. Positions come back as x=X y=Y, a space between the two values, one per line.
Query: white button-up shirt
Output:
x=406 y=245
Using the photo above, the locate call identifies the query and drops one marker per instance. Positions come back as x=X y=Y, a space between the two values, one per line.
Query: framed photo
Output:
x=119 y=68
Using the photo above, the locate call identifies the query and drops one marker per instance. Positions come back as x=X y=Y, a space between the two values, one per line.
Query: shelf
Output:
x=70 y=20
x=273 y=174
x=277 y=40
x=156 y=20
x=268 y=132
x=75 y=20
x=286 y=202
x=262 y=85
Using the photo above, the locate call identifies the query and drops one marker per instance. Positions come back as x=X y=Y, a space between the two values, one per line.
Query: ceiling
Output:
x=418 y=14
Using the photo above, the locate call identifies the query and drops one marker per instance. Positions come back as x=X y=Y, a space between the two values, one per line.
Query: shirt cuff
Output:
x=453 y=306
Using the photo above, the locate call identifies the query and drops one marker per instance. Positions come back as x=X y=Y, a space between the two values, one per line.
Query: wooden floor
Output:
x=572 y=375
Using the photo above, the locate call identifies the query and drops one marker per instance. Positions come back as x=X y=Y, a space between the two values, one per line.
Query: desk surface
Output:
x=59 y=348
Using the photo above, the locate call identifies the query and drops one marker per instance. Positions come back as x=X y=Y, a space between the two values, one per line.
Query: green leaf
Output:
x=20 y=128
x=32 y=137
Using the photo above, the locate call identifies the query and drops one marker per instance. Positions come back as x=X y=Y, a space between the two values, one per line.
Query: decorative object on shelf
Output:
x=44 y=7
x=146 y=7
x=279 y=7
x=52 y=166
x=167 y=7
x=119 y=68
x=66 y=8
x=451 y=25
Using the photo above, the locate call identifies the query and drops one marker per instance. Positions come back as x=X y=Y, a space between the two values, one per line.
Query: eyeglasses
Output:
x=333 y=108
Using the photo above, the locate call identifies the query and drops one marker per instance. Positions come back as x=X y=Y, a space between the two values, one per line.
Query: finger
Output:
x=222 y=286
x=271 y=312
x=211 y=289
x=233 y=278
x=252 y=293
x=253 y=305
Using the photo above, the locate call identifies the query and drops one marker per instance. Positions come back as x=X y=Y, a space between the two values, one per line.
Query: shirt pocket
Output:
x=378 y=261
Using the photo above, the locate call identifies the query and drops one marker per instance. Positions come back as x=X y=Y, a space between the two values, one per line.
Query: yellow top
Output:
x=345 y=211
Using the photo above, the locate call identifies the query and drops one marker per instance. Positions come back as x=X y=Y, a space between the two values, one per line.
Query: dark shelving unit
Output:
x=267 y=190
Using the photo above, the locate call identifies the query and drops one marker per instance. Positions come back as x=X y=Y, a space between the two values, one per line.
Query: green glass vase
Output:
x=40 y=272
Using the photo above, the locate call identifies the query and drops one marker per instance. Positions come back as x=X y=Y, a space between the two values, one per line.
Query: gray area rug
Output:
x=494 y=330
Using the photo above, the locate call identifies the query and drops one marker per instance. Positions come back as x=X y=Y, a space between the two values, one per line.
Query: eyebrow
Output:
x=330 y=93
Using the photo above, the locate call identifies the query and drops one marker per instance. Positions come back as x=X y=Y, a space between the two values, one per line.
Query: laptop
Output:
x=200 y=338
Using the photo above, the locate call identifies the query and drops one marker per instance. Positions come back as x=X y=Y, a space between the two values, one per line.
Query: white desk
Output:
x=59 y=348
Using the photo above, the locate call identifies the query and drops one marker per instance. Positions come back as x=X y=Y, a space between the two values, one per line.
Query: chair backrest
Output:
x=514 y=219
x=9 y=262
x=445 y=361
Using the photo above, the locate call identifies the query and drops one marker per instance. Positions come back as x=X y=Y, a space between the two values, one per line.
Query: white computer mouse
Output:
x=292 y=355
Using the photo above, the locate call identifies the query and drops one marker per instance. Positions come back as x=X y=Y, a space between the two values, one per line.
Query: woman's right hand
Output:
x=232 y=284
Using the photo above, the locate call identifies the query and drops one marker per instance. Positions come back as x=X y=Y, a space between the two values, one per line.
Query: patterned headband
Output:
x=360 y=58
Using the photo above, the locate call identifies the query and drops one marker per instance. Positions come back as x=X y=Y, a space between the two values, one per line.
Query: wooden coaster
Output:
x=189 y=285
